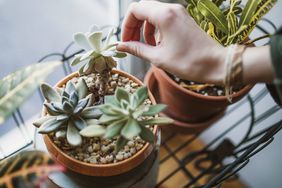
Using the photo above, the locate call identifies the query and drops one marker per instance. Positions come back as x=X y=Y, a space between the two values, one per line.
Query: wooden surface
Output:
x=170 y=163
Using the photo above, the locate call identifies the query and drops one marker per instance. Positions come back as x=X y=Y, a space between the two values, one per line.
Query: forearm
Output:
x=257 y=66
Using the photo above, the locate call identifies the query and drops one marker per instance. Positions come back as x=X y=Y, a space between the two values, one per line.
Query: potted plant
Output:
x=195 y=106
x=99 y=121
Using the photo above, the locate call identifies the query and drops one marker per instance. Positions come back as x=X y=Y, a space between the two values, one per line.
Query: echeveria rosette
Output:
x=98 y=55
x=126 y=116
x=69 y=110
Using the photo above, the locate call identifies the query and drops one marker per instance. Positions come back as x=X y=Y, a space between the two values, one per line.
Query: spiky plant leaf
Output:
x=49 y=93
x=91 y=113
x=27 y=169
x=40 y=121
x=18 y=86
x=79 y=123
x=93 y=131
x=73 y=136
x=156 y=121
x=50 y=126
x=142 y=95
x=121 y=94
x=213 y=14
x=114 y=128
x=147 y=134
x=130 y=129
x=81 y=88
x=99 y=55
x=121 y=142
x=155 y=109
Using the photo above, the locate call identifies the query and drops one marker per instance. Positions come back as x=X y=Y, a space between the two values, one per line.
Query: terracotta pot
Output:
x=178 y=126
x=99 y=169
x=188 y=106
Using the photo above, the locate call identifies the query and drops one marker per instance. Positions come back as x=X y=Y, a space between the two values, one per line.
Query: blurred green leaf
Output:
x=26 y=169
x=213 y=14
x=18 y=86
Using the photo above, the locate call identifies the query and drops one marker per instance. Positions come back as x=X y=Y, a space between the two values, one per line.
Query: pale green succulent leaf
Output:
x=121 y=93
x=154 y=109
x=62 y=117
x=95 y=39
x=156 y=121
x=93 y=131
x=67 y=107
x=51 y=110
x=140 y=111
x=73 y=98
x=107 y=119
x=92 y=122
x=76 y=60
x=20 y=85
x=81 y=88
x=50 y=126
x=43 y=119
x=130 y=129
x=121 y=142
x=114 y=128
x=81 y=105
x=88 y=55
x=91 y=113
x=213 y=14
x=147 y=135
x=81 y=40
x=70 y=87
x=109 y=36
x=79 y=123
x=49 y=93
x=120 y=55
x=142 y=95
x=73 y=136
x=110 y=99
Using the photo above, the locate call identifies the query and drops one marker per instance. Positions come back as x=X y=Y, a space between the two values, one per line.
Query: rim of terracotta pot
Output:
x=100 y=169
x=234 y=96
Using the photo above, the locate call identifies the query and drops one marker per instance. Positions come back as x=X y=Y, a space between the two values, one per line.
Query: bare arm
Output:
x=182 y=48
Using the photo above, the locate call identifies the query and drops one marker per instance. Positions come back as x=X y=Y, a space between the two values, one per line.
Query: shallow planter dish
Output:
x=99 y=169
x=178 y=126
x=188 y=106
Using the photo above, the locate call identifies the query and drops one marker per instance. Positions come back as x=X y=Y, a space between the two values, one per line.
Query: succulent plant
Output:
x=98 y=57
x=126 y=116
x=69 y=110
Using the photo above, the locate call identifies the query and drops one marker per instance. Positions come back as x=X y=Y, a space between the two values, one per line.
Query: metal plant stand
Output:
x=209 y=161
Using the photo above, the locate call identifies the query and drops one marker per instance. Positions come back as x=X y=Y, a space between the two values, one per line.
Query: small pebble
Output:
x=103 y=160
x=134 y=84
x=90 y=149
x=132 y=151
x=96 y=147
x=119 y=157
x=130 y=143
x=109 y=158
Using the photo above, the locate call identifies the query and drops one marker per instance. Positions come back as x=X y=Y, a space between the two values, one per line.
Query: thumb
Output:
x=138 y=49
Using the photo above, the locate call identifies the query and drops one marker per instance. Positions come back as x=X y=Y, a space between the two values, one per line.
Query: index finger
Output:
x=135 y=17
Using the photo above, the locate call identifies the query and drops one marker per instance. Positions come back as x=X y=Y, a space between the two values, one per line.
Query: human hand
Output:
x=181 y=48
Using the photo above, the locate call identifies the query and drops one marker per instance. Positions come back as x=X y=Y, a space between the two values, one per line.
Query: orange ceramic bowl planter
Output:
x=189 y=107
x=99 y=169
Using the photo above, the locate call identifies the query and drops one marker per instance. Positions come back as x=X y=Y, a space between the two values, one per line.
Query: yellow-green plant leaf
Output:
x=26 y=169
x=248 y=12
x=211 y=32
x=18 y=86
x=263 y=8
x=213 y=14
x=218 y=2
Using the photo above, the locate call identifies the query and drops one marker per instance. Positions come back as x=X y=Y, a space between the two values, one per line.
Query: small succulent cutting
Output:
x=98 y=56
x=126 y=116
x=69 y=110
